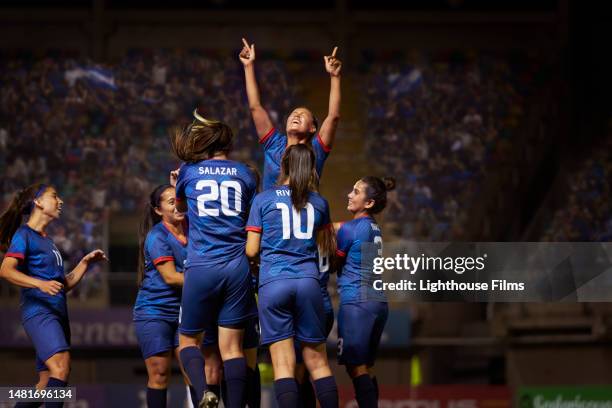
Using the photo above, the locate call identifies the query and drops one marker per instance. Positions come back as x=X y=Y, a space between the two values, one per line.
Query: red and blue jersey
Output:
x=275 y=144
x=219 y=194
x=39 y=258
x=157 y=299
x=359 y=242
x=288 y=237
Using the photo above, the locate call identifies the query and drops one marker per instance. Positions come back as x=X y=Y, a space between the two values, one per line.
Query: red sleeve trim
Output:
x=340 y=253
x=267 y=136
x=17 y=255
x=254 y=229
x=162 y=259
x=326 y=148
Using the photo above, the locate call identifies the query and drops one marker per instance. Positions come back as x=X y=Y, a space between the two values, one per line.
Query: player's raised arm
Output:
x=263 y=124
x=74 y=277
x=328 y=129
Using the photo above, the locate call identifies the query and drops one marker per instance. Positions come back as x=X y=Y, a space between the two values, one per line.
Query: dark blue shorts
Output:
x=50 y=335
x=329 y=324
x=291 y=308
x=216 y=294
x=156 y=336
x=360 y=326
x=250 y=339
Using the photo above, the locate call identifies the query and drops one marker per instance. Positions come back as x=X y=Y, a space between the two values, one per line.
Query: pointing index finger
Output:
x=245 y=42
x=334 y=51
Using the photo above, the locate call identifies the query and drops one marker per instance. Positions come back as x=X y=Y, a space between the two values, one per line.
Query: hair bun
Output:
x=389 y=183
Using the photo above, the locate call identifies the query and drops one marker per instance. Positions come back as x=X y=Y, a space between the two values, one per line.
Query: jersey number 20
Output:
x=213 y=195
x=297 y=221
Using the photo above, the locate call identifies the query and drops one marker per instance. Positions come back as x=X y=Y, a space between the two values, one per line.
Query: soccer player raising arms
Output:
x=302 y=125
x=285 y=223
x=34 y=263
x=363 y=310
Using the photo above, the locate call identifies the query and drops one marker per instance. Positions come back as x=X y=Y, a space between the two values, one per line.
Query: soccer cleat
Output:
x=209 y=400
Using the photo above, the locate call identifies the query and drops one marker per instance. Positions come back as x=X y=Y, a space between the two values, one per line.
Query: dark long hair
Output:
x=149 y=219
x=376 y=189
x=22 y=204
x=298 y=164
x=201 y=140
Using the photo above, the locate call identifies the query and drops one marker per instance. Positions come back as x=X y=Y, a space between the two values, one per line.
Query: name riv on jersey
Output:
x=283 y=193
x=218 y=171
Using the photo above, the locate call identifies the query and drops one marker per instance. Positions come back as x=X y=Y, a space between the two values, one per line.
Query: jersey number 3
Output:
x=213 y=195
x=297 y=221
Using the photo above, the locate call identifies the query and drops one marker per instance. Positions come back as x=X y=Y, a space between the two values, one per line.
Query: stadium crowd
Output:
x=100 y=133
x=436 y=122
x=586 y=215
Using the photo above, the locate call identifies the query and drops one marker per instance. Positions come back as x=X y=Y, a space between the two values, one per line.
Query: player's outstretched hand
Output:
x=332 y=64
x=247 y=55
x=174 y=177
x=94 y=256
x=50 y=287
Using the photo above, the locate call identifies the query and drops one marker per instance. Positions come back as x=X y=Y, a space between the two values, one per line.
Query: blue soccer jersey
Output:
x=219 y=194
x=39 y=258
x=359 y=242
x=288 y=241
x=157 y=299
x=275 y=143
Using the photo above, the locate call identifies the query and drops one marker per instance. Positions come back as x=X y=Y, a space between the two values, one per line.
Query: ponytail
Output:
x=149 y=219
x=298 y=165
x=22 y=204
x=376 y=189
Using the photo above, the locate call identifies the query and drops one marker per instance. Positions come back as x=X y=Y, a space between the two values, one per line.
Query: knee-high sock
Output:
x=365 y=392
x=327 y=392
x=156 y=398
x=307 y=394
x=55 y=383
x=286 y=390
x=235 y=374
x=193 y=364
x=253 y=393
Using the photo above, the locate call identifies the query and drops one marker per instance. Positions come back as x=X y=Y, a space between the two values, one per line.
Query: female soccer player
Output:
x=163 y=249
x=301 y=124
x=217 y=193
x=285 y=223
x=363 y=310
x=34 y=263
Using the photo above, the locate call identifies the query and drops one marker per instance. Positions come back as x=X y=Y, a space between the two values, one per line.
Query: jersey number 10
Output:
x=297 y=221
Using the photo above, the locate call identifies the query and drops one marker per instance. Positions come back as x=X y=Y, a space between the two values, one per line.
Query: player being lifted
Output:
x=302 y=125
x=34 y=263
x=363 y=310
x=286 y=222
x=216 y=193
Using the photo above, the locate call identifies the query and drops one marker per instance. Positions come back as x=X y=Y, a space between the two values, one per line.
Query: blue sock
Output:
x=156 y=398
x=193 y=364
x=286 y=390
x=235 y=374
x=253 y=394
x=215 y=388
x=327 y=392
x=55 y=383
x=365 y=392
x=194 y=396
x=307 y=395
x=375 y=382
x=224 y=392
x=28 y=405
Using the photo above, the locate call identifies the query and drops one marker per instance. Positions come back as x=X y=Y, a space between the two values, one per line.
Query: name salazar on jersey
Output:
x=218 y=171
